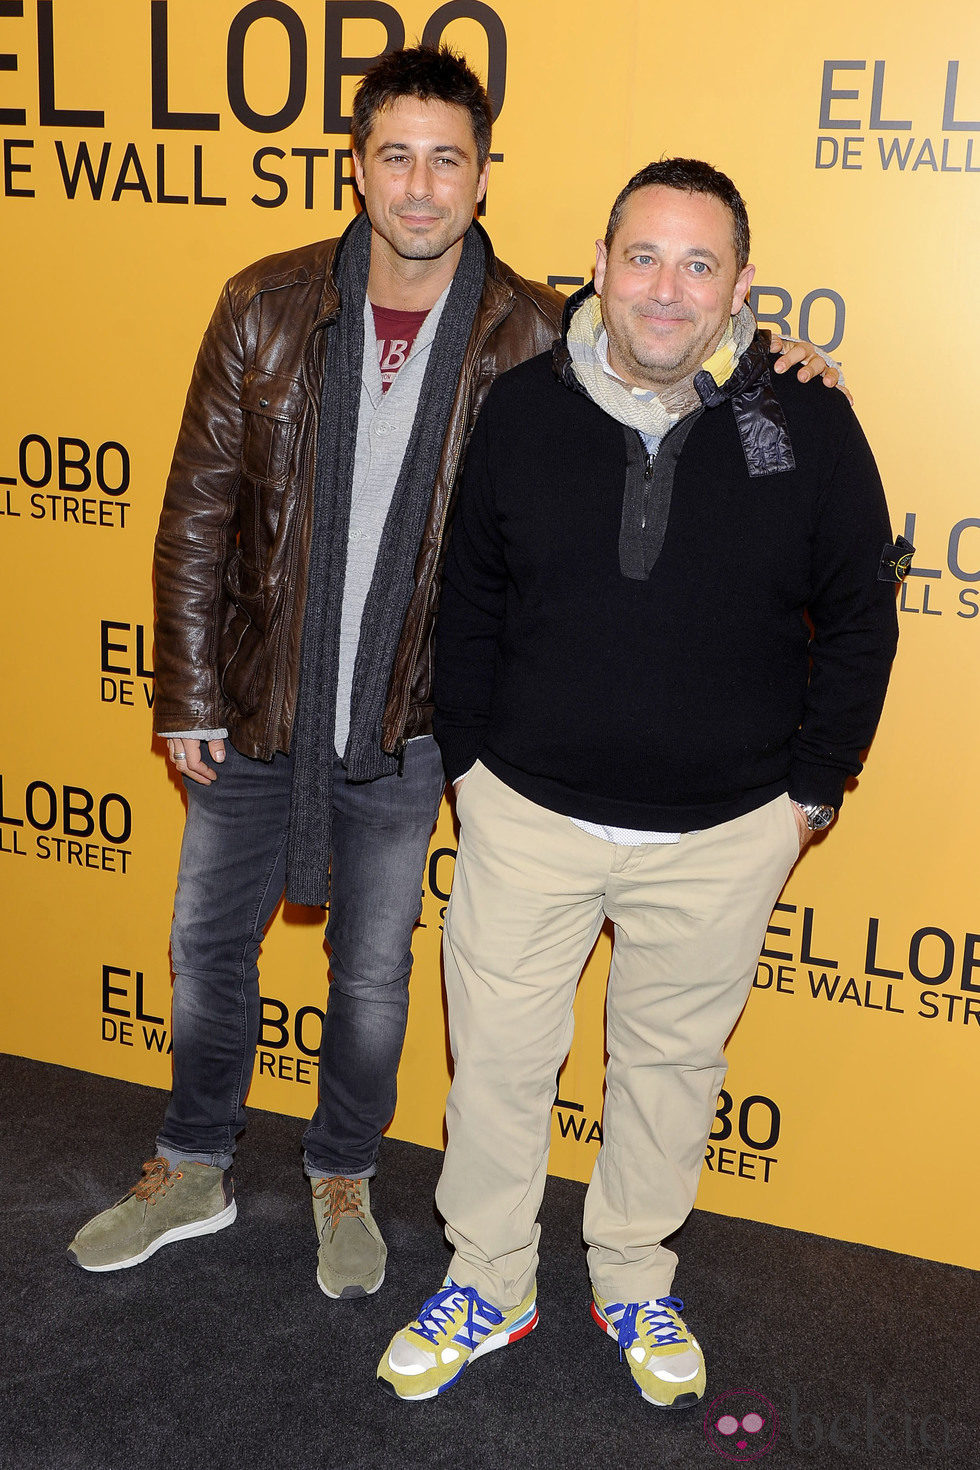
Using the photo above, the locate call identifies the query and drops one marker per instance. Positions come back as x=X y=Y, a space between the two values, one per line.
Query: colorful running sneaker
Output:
x=453 y=1328
x=663 y=1356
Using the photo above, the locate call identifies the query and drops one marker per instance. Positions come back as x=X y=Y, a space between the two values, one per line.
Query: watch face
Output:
x=816 y=815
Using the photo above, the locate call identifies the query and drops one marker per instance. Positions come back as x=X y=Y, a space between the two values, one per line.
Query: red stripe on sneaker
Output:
x=523 y=1331
x=603 y=1322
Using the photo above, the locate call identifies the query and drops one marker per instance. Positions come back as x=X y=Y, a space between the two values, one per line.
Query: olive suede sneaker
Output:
x=454 y=1327
x=663 y=1356
x=352 y=1254
x=167 y=1204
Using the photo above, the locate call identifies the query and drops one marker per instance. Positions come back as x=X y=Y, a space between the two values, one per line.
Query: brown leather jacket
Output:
x=232 y=550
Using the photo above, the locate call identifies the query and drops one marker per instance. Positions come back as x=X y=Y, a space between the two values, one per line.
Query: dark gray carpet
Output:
x=221 y=1352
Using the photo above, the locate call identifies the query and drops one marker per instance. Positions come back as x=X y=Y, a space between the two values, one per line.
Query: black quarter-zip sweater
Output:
x=751 y=661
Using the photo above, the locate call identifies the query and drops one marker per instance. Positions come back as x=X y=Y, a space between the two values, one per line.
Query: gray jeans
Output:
x=231 y=878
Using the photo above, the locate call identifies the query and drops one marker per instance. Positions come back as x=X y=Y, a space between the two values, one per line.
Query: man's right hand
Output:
x=186 y=756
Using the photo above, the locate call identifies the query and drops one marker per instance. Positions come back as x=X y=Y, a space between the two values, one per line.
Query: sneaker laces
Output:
x=438 y=1313
x=156 y=1175
x=660 y=1325
x=341 y=1197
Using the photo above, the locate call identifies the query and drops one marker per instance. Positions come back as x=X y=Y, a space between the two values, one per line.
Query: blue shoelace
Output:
x=661 y=1326
x=435 y=1317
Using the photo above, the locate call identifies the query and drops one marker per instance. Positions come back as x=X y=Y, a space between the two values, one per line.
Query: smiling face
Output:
x=668 y=284
x=420 y=178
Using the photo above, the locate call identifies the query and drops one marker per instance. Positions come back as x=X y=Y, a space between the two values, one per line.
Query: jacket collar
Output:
x=749 y=369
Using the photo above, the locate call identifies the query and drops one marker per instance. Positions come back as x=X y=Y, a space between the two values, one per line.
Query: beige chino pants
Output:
x=529 y=896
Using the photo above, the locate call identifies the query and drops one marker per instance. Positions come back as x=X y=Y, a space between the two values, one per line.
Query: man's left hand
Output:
x=809 y=363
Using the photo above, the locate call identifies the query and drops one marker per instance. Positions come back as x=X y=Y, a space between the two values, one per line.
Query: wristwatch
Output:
x=815 y=815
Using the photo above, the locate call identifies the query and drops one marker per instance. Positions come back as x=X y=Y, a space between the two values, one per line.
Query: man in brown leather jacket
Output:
x=297 y=572
x=356 y=367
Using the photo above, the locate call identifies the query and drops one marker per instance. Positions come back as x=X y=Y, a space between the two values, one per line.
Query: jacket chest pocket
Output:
x=272 y=407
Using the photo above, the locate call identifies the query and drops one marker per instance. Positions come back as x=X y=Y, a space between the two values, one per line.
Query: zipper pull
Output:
x=399 y=754
x=648 y=472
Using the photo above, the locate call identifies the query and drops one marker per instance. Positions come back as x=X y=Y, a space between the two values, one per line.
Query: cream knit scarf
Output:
x=651 y=414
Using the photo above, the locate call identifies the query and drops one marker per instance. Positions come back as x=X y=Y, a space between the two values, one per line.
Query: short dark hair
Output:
x=695 y=177
x=425 y=72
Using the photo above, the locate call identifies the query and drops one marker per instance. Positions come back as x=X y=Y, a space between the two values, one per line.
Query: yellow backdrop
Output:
x=150 y=148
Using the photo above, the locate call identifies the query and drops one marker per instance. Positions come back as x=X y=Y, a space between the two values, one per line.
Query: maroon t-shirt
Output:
x=395 y=331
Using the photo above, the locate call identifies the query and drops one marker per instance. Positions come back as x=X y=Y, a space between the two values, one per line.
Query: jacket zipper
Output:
x=647 y=486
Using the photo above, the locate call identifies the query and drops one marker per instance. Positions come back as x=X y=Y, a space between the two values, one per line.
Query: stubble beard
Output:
x=424 y=252
x=414 y=247
x=654 y=373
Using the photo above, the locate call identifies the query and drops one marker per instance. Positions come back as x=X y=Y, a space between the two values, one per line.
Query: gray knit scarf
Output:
x=308 y=853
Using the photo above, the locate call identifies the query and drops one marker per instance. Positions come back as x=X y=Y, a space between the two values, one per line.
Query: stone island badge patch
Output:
x=896 y=561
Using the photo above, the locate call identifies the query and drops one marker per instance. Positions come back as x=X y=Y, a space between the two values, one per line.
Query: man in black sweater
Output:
x=667 y=622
